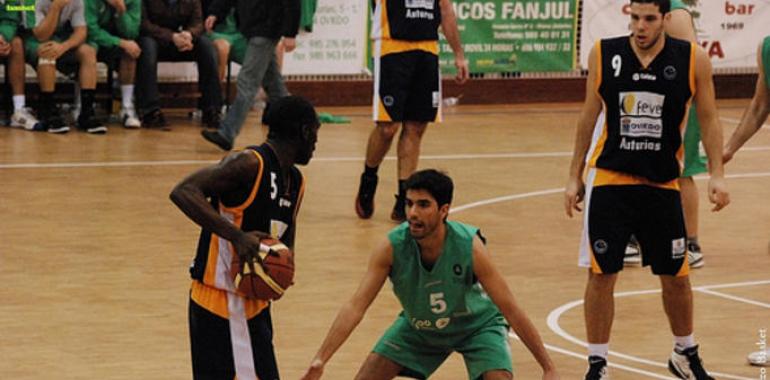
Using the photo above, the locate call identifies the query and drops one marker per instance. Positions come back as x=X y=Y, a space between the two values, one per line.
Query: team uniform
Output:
x=444 y=309
x=407 y=82
x=766 y=59
x=106 y=27
x=71 y=16
x=631 y=184
x=231 y=335
x=228 y=31
x=20 y=23
x=694 y=161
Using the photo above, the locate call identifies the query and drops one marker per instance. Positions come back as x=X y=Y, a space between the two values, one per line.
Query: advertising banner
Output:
x=506 y=36
x=729 y=30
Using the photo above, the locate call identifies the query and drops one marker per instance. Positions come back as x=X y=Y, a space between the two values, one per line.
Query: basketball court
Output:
x=94 y=256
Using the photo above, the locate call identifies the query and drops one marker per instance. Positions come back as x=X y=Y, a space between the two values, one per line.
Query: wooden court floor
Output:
x=94 y=257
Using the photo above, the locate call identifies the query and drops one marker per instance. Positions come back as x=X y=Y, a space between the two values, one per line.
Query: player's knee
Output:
x=387 y=130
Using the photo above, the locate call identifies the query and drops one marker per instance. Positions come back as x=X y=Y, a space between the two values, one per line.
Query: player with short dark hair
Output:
x=644 y=83
x=249 y=195
x=453 y=297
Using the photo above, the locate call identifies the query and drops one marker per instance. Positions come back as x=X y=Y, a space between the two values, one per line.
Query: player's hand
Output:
x=247 y=246
x=60 y=3
x=50 y=50
x=181 y=42
x=461 y=64
x=718 y=194
x=209 y=23
x=131 y=48
x=315 y=370
x=5 y=47
x=573 y=195
x=551 y=375
x=119 y=5
x=289 y=44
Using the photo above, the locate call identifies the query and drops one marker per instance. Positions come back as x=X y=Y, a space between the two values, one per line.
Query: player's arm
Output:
x=234 y=173
x=573 y=193
x=47 y=22
x=353 y=311
x=452 y=35
x=711 y=129
x=678 y=24
x=754 y=116
x=501 y=295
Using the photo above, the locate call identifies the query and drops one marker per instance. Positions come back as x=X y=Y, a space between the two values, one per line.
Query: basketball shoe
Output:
x=398 y=214
x=694 y=255
x=686 y=364
x=633 y=255
x=365 y=198
x=597 y=369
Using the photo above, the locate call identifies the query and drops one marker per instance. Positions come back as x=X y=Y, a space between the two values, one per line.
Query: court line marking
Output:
x=443 y=157
x=553 y=317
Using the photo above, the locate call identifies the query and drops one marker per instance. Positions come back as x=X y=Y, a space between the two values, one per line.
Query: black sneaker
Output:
x=155 y=120
x=687 y=365
x=398 y=214
x=215 y=138
x=365 y=198
x=55 y=124
x=91 y=124
x=211 y=118
x=597 y=368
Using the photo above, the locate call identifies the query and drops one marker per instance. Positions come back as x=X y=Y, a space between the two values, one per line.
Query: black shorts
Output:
x=653 y=214
x=407 y=87
x=212 y=348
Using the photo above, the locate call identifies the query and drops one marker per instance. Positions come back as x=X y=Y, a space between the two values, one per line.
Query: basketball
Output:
x=270 y=279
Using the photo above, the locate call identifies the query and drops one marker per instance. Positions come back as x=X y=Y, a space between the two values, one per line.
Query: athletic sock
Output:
x=599 y=350
x=682 y=343
x=18 y=102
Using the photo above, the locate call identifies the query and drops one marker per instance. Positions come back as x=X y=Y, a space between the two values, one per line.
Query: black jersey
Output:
x=645 y=108
x=271 y=207
x=407 y=20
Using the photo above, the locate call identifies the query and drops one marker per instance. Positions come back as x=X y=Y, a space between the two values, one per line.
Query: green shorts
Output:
x=487 y=349
x=694 y=162
x=237 y=44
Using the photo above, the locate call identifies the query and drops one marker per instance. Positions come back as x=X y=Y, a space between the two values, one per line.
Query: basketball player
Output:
x=249 y=195
x=679 y=24
x=644 y=83
x=438 y=269
x=759 y=108
x=407 y=87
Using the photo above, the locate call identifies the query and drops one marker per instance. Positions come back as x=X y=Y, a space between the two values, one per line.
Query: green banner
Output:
x=510 y=36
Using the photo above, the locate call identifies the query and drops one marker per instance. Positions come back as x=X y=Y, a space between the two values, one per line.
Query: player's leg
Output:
x=609 y=222
x=487 y=353
x=662 y=237
x=408 y=156
x=392 y=73
x=378 y=367
x=401 y=351
x=222 y=45
x=87 y=121
x=127 y=75
x=21 y=117
x=211 y=349
x=694 y=163
x=49 y=114
x=422 y=107
x=261 y=332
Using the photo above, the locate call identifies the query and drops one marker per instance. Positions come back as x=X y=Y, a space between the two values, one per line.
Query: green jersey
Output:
x=446 y=302
x=766 y=59
x=678 y=4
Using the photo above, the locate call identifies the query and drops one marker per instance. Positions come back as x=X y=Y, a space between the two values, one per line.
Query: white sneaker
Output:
x=633 y=255
x=130 y=119
x=24 y=119
x=687 y=365
x=694 y=255
x=760 y=358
